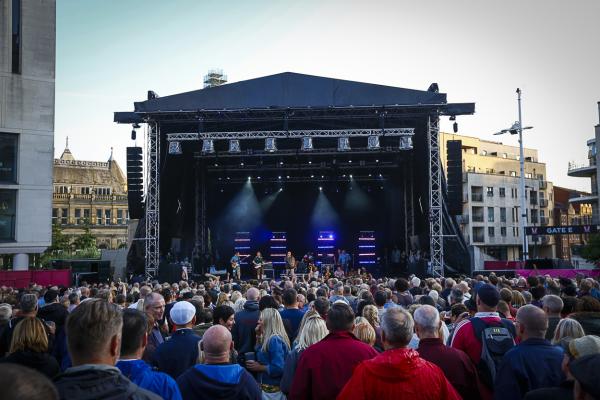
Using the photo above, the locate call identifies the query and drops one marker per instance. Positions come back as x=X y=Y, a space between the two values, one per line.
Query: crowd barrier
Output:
x=22 y=279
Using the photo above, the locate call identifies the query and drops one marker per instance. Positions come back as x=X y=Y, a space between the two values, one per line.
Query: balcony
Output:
x=543 y=184
x=533 y=201
x=543 y=203
x=584 y=199
x=478 y=218
x=581 y=170
x=477 y=197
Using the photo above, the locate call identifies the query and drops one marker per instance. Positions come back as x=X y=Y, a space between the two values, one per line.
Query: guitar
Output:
x=235 y=265
x=263 y=264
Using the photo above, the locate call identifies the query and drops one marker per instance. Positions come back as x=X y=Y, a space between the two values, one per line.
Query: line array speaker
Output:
x=454 y=169
x=135 y=188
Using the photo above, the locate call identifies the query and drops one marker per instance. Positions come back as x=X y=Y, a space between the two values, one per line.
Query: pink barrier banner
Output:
x=559 y=273
x=22 y=279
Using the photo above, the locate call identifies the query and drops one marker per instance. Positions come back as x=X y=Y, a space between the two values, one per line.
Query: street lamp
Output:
x=517 y=127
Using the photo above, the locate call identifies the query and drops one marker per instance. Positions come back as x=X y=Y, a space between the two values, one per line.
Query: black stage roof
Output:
x=290 y=90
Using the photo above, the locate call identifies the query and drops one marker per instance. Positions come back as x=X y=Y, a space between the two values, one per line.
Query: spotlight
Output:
x=242 y=163
x=307 y=144
x=343 y=176
x=349 y=161
x=175 y=148
x=322 y=176
x=310 y=162
x=234 y=146
x=133 y=134
x=288 y=177
x=455 y=127
x=377 y=160
x=280 y=162
x=228 y=178
x=279 y=177
x=259 y=177
x=216 y=165
x=249 y=178
x=344 y=143
x=312 y=176
x=350 y=176
x=280 y=189
x=373 y=142
x=320 y=188
x=406 y=143
x=208 y=146
x=270 y=145
x=380 y=175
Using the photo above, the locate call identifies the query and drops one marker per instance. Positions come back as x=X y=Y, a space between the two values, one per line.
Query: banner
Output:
x=562 y=230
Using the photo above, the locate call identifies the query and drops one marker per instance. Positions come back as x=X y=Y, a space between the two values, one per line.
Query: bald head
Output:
x=252 y=294
x=532 y=322
x=216 y=344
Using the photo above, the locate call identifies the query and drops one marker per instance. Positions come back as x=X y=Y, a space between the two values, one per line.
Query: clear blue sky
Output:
x=110 y=52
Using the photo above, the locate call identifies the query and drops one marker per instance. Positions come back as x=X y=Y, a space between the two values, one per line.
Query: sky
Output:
x=109 y=53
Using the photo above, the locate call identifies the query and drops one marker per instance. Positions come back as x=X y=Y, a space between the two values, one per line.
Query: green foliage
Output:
x=86 y=241
x=591 y=251
x=60 y=242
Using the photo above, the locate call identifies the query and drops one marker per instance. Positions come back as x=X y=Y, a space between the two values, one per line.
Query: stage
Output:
x=299 y=163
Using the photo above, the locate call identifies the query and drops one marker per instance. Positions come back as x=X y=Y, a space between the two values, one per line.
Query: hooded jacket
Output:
x=395 y=374
x=243 y=335
x=218 y=382
x=92 y=382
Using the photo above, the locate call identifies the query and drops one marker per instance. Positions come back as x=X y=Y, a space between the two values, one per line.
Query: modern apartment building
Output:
x=570 y=213
x=27 y=73
x=491 y=200
x=590 y=169
x=93 y=195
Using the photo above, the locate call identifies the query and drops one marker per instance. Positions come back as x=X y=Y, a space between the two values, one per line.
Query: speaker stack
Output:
x=135 y=188
x=454 y=169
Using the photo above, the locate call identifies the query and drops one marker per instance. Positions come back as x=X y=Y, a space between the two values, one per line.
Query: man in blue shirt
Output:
x=235 y=265
x=532 y=364
x=291 y=315
x=133 y=341
x=181 y=351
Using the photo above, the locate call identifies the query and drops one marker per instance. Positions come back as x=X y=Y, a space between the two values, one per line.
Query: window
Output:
x=490 y=191
x=513 y=173
x=490 y=214
x=107 y=217
x=8 y=157
x=54 y=216
x=534 y=216
x=99 y=216
x=515 y=231
x=503 y=231
x=119 y=217
x=502 y=192
x=490 y=231
x=16 y=36
x=8 y=213
x=86 y=216
x=502 y=214
x=528 y=175
x=78 y=216
x=515 y=214
x=64 y=213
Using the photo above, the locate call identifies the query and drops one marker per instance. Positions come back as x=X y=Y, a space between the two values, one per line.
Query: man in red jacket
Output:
x=325 y=367
x=399 y=372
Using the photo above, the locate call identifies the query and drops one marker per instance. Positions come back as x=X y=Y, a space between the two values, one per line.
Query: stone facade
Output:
x=92 y=194
x=570 y=213
x=27 y=74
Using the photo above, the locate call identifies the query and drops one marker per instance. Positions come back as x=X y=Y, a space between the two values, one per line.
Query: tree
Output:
x=60 y=242
x=86 y=241
x=591 y=251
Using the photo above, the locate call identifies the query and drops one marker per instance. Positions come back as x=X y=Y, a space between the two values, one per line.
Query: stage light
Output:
x=349 y=161
x=310 y=162
x=312 y=176
x=270 y=145
x=216 y=165
x=280 y=162
x=288 y=176
x=370 y=175
x=234 y=146
x=406 y=143
x=242 y=164
x=343 y=176
x=373 y=142
x=279 y=177
x=133 y=134
x=380 y=175
x=376 y=160
x=228 y=178
x=344 y=144
x=321 y=188
x=307 y=144
x=208 y=146
x=259 y=177
x=280 y=189
x=175 y=148
x=350 y=176
x=322 y=176
x=249 y=178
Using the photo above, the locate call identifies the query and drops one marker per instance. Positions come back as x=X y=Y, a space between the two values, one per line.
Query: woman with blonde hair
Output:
x=371 y=314
x=272 y=348
x=29 y=347
x=365 y=333
x=222 y=299
x=567 y=327
x=517 y=299
x=312 y=330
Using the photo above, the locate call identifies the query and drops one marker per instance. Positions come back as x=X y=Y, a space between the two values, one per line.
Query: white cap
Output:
x=182 y=312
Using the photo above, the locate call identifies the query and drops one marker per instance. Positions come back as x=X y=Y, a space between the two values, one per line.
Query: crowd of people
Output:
x=350 y=338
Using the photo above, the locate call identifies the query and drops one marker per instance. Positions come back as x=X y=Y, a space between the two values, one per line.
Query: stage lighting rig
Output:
x=307 y=144
x=208 y=146
x=344 y=143
x=270 y=145
x=406 y=143
x=373 y=142
x=234 y=146
x=175 y=148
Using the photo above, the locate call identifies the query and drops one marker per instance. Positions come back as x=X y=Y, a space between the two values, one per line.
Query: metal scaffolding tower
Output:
x=436 y=199
x=214 y=77
x=152 y=200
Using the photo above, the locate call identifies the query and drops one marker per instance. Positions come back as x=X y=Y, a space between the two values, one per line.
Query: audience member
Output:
x=552 y=306
x=22 y=383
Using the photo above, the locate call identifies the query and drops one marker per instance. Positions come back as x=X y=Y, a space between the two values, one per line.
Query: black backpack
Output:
x=496 y=339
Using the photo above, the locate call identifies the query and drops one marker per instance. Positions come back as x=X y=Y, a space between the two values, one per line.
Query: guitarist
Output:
x=258 y=265
x=290 y=264
x=235 y=265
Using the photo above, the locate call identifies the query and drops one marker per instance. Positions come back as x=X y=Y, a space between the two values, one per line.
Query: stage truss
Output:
x=436 y=206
